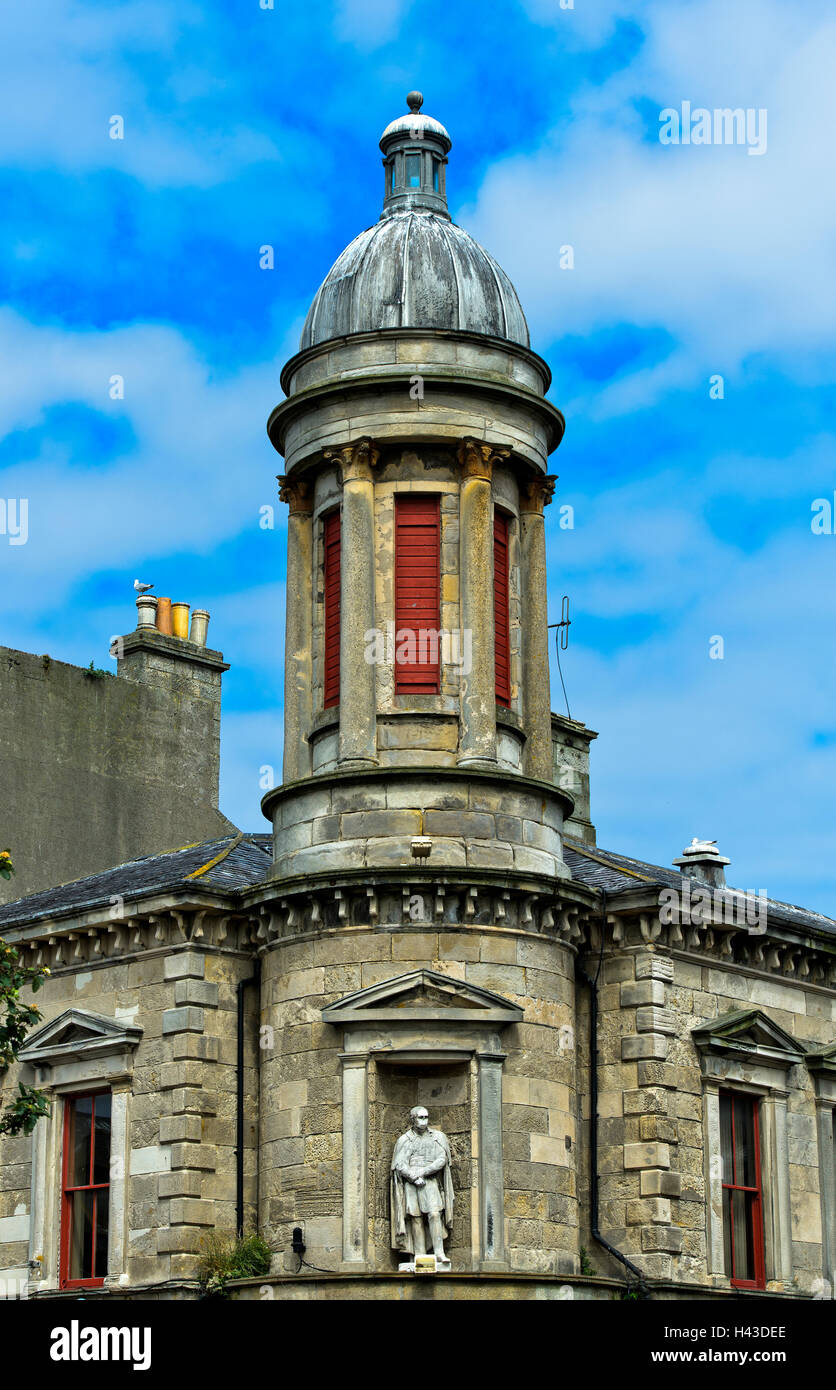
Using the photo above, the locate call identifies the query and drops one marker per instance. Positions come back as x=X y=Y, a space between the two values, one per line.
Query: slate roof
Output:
x=616 y=873
x=246 y=860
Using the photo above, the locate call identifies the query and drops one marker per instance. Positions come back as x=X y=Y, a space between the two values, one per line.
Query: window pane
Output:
x=744 y=1142
x=413 y=171
x=435 y=175
x=744 y=1254
x=81 y=1235
x=102 y=1211
x=101 y=1140
x=727 y=1168
x=79 y=1118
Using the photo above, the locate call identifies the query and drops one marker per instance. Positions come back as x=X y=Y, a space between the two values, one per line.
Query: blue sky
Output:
x=247 y=126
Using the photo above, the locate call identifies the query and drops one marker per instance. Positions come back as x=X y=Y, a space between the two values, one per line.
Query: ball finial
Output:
x=415 y=101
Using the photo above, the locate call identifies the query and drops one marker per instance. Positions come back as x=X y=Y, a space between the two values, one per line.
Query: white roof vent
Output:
x=701 y=860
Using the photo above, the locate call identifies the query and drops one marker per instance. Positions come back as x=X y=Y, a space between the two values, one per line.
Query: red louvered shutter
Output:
x=502 y=642
x=417 y=594
x=331 y=681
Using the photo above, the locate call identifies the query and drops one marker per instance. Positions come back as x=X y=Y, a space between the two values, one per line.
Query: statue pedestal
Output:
x=425 y=1264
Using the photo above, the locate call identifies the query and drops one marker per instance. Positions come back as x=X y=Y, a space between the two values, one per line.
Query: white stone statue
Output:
x=421 y=1187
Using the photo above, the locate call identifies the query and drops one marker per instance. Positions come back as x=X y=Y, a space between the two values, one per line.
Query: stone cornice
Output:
x=512 y=782
x=281 y=911
x=780 y=951
x=348 y=389
x=486 y=899
x=418 y=335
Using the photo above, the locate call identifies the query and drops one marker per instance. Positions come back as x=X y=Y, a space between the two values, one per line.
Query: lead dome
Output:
x=415 y=268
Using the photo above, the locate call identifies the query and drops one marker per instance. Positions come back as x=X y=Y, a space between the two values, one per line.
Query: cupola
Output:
x=415 y=149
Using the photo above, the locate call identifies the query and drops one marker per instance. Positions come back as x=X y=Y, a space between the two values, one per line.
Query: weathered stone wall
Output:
x=570 y=754
x=654 y=1146
x=474 y=820
x=100 y=770
x=302 y=1135
x=472 y=386
x=653 y=1157
x=180 y=1180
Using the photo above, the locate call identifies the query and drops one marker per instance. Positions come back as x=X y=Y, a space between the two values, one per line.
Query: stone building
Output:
x=635 y=1066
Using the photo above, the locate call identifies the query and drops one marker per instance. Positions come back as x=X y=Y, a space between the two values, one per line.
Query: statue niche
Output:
x=421 y=1189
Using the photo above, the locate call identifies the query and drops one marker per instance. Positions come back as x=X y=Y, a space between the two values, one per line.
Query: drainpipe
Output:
x=239 y=1112
x=593 y=1111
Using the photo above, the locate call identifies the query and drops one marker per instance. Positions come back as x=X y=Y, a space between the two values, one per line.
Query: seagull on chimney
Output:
x=142 y=588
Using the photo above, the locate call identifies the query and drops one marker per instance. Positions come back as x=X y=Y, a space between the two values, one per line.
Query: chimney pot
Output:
x=146 y=611
x=180 y=621
x=200 y=627
x=164 y=616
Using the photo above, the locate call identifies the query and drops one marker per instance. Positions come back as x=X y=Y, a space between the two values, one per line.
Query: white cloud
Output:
x=695 y=746
x=726 y=252
x=67 y=67
x=198 y=474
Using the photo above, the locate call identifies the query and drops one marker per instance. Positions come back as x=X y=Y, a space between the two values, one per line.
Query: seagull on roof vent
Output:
x=703 y=861
x=142 y=588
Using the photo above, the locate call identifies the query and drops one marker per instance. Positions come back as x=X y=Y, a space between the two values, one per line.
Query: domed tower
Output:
x=416 y=438
x=417 y=832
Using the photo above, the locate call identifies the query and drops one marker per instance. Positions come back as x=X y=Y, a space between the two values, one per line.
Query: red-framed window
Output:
x=331 y=678
x=501 y=623
x=742 y=1196
x=417 y=594
x=85 y=1204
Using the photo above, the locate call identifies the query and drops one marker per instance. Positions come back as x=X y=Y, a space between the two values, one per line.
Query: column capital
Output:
x=537 y=493
x=356 y=461
x=477 y=458
x=296 y=492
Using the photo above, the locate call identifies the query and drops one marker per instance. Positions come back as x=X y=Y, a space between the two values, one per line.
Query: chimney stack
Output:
x=703 y=862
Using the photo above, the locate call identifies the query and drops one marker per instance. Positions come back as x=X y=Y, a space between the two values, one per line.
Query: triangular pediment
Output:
x=423 y=995
x=74 y=1034
x=822 y=1059
x=748 y=1033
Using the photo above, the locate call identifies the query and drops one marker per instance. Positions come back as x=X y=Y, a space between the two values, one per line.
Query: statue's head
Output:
x=419 y=1118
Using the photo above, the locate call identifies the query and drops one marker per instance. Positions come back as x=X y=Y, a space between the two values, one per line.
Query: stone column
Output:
x=298 y=636
x=715 y=1253
x=537 y=761
x=120 y=1157
x=491 y=1182
x=477 y=708
x=776 y=1186
x=358 y=710
x=39 y=1233
x=355 y=1157
x=46 y=1196
x=826 y=1127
